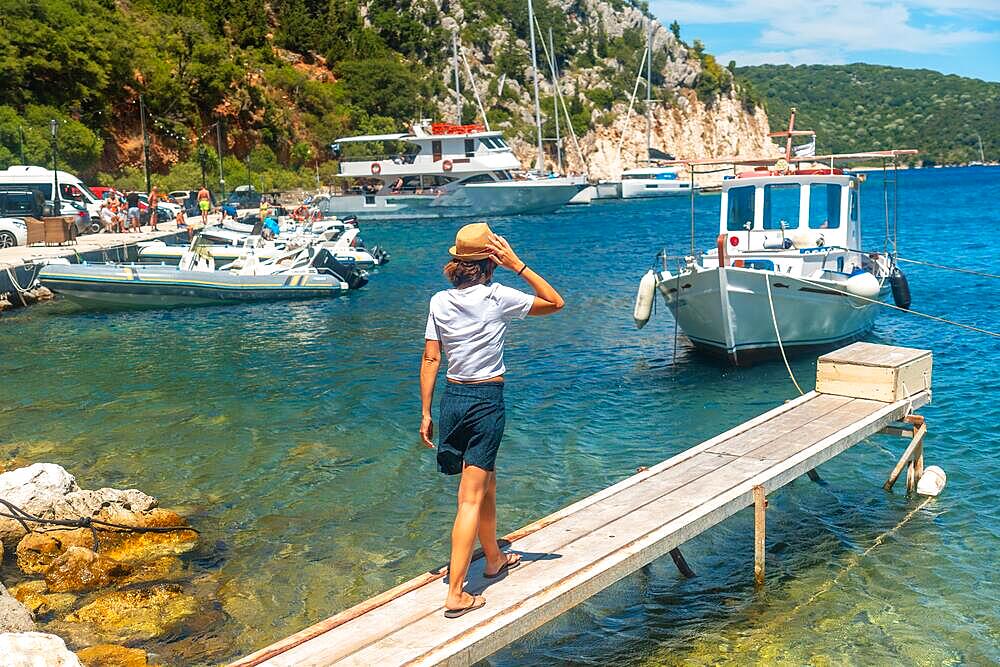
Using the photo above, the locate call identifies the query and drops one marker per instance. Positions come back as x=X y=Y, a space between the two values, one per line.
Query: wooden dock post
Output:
x=913 y=456
x=759 y=508
x=682 y=565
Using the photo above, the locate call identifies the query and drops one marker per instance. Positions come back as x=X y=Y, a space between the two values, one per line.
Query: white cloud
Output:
x=829 y=29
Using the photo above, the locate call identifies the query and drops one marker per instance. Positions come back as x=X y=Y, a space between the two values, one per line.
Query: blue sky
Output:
x=951 y=36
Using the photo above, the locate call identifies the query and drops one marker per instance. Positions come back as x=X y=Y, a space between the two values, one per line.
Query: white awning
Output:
x=372 y=137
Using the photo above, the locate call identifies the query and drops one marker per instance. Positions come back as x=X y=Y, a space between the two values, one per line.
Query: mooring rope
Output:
x=24 y=518
x=947 y=268
x=777 y=334
x=970 y=327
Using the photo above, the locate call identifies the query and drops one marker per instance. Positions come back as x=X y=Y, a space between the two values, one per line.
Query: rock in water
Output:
x=35 y=489
x=38 y=549
x=112 y=655
x=79 y=569
x=35 y=649
x=136 y=614
x=105 y=501
x=13 y=615
x=133 y=547
x=35 y=597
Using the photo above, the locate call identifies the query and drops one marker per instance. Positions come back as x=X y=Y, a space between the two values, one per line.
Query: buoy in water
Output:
x=644 y=299
x=863 y=284
x=932 y=481
x=900 y=288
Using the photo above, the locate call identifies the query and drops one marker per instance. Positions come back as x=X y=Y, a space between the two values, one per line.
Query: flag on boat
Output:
x=806 y=150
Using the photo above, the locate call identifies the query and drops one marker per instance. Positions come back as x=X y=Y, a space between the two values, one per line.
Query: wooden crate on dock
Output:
x=59 y=230
x=878 y=372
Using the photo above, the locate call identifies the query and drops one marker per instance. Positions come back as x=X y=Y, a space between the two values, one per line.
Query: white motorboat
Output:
x=653 y=182
x=787 y=273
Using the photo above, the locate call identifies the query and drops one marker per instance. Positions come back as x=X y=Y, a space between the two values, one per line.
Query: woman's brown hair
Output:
x=464 y=273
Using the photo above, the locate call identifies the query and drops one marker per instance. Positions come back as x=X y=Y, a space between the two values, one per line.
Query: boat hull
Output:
x=171 y=255
x=138 y=286
x=726 y=314
x=481 y=199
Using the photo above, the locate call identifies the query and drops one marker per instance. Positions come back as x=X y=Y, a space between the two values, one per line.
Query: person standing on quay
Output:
x=204 y=203
x=469 y=322
x=132 y=200
x=154 y=199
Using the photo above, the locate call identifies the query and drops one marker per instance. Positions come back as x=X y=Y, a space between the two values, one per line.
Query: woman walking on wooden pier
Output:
x=469 y=322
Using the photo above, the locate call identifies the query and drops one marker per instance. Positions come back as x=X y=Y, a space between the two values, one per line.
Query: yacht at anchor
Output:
x=443 y=171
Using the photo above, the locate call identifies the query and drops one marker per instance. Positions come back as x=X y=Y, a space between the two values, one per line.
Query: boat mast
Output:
x=540 y=161
x=555 y=98
x=649 y=89
x=791 y=130
x=458 y=91
x=982 y=156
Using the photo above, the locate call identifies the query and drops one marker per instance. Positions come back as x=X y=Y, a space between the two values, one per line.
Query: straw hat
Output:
x=471 y=242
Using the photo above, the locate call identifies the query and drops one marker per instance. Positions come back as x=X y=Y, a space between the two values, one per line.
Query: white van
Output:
x=71 y=188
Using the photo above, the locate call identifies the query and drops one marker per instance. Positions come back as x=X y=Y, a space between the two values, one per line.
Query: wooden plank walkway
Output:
x=580 y=550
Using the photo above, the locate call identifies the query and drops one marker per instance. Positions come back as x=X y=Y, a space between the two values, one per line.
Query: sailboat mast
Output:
x=555 y=98
x=649 y=89
x=458 y=90
x=791 y=130
x=540 y=160
x=982 y=156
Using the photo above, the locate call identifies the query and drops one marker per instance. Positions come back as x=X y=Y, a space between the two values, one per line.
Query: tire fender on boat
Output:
x=644 y=299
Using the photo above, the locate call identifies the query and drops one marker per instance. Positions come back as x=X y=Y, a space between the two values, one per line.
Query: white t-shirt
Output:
x=471 y=324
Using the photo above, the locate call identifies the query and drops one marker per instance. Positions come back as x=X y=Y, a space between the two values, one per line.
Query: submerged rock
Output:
x=80 y=569
x=136 y=614
x=38 y=549
x=35 y=597
x=35 y=649
x=138 y=547
x=112 y=655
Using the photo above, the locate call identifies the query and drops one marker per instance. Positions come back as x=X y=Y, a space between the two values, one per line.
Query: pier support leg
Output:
x=681 y=564
x=759 y=507
x=813 y=475
x=912 y=458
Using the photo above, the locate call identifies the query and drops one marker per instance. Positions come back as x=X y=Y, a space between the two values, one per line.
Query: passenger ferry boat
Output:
x=445 y=171
x=787 y=272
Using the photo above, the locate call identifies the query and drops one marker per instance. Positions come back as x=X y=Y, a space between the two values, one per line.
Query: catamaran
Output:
x=787 y=272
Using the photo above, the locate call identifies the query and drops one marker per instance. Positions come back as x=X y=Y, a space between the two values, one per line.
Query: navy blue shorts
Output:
x=471 y=425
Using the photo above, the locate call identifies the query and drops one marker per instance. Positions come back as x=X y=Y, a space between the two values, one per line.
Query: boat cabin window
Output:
x=436 y=149
x=480 y=178
x=741 y=208
x=824 y=206
x=470 y=148
x=855 y=198
x=781 y=205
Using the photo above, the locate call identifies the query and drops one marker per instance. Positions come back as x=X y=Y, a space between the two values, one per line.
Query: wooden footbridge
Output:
x=578 y=551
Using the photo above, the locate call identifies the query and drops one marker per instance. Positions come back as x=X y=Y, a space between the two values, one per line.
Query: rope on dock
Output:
x=24 y=518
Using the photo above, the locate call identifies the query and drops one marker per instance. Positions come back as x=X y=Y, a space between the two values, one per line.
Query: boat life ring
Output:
x=376 y=168
x=447 y=165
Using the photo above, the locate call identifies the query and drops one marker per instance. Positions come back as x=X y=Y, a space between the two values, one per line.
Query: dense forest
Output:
x=862 y=107
x=275 y=83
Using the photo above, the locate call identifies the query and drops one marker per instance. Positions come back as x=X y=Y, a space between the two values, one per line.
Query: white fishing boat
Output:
x=787 y=273
x=653 y=182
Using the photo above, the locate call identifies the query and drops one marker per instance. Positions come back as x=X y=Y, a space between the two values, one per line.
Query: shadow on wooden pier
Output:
x=568 y=556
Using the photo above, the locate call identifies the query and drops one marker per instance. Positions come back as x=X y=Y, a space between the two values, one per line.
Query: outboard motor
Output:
x=900 y=288
x=380 y=255
x=325 y=262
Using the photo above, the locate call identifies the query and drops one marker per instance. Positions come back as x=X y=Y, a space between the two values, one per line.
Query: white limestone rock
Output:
x=36 y=489
x=35 y=649
x=14 y=617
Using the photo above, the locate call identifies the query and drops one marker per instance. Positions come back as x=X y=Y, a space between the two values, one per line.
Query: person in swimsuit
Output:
x=204 y=204
x=154 y=200
x=469 y=324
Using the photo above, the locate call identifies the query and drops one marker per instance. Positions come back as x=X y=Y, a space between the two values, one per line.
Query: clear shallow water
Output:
x=287 y=432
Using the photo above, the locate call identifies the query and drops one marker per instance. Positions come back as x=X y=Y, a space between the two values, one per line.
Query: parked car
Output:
x=15 y=205
x=101 y=191
x=191 y=208
x=171 y=208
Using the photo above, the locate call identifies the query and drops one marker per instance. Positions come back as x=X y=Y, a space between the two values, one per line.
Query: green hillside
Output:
x=276 y=82
x=860 y=107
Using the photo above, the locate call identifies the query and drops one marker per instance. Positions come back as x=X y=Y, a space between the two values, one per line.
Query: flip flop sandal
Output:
x=478 y=601
x=503 y=568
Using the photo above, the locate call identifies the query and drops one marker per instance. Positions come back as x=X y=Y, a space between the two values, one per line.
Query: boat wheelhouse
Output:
x=441 y=171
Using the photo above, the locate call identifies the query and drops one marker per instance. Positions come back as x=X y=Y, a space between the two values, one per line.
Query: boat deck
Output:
x=583 y=548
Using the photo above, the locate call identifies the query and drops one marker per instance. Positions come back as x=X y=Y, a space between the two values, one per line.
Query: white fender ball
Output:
x=932 y=481
x=644 y=299
x=863 y=284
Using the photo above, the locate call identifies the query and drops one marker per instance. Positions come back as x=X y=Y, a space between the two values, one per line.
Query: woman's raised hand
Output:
x=503 y=254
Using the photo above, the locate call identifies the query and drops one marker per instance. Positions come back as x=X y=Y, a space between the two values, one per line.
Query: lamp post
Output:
x=56 y=204
x=145 y=142
x=202 y=159
x=218 y=144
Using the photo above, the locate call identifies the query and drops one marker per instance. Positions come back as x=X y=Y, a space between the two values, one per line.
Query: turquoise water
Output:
x=287 y=432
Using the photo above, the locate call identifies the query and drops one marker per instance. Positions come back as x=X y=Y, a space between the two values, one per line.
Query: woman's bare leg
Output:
x=471 y=491
x=488 y=527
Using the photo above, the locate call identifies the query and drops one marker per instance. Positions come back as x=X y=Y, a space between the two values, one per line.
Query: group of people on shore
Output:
x=121 y=213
